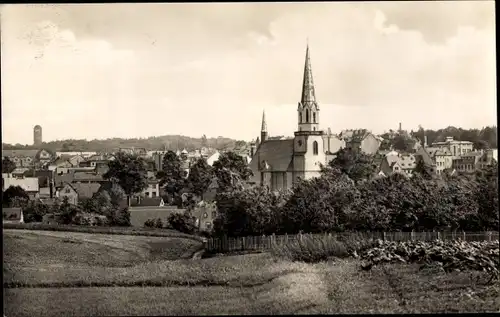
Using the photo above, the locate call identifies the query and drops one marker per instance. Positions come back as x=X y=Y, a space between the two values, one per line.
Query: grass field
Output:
x=61 y=274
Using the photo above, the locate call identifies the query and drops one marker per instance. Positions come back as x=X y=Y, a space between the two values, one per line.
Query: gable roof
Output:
x=277 y=154
x=85 y=190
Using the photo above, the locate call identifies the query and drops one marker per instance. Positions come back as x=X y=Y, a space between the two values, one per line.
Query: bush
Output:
x=119 y=217
x=312 y=249
x=184 y=222
x=154 y=223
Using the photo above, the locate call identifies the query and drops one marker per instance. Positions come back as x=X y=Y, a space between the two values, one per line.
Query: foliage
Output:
x=423 y=169
x=451 y=255
x=316 y=205
x=230 y=169
x=183 y=222
x=170 y=142
x=403 y=143
x=200 y=177
x=129 y=171
x=67 y=211
x=252 y=211
x=34 y=212
x=7 y=165
x=119 y=217
x=358 y=166
x=172 y=175
x=154 y=223
x=14 y=196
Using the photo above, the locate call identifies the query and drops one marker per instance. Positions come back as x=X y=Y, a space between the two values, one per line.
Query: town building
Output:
x=29 y=184
x=361 y=140
x=455 y=147
x=442 y=157
x=281 y=163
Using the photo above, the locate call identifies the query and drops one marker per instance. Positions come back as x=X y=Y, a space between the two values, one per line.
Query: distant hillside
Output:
x=169 y=142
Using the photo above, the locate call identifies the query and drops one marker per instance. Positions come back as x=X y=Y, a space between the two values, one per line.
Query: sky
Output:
x=87 y=71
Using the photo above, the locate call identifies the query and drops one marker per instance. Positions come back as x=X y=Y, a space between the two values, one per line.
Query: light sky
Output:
x=138 y=70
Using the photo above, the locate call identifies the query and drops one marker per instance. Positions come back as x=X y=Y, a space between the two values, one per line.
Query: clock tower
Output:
x=308 y=151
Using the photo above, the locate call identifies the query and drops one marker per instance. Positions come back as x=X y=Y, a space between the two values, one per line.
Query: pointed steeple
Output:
x=264 y=124
x=308 y=95
x=263 y=129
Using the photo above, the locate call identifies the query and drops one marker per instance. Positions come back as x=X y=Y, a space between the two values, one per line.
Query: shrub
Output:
x=311 y=249
x=183 y=222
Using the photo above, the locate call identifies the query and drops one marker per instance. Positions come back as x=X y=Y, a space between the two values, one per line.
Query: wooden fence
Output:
x=265 y=243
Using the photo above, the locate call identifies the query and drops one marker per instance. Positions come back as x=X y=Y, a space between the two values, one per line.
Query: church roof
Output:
x=278 y=154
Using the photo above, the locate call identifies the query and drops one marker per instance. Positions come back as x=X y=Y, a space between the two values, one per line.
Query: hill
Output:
x=169 y=142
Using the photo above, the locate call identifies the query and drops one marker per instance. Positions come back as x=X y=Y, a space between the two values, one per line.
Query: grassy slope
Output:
x=249 y=284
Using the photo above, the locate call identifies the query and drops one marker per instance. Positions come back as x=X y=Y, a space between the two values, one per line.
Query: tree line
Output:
x=169 y=142
x=348 y=197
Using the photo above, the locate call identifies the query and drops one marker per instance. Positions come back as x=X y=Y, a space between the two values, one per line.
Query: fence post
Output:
x=489 y=236
x=243 y=244
x=263 y=243
x=463 y=234
x=273 y=240
x=412 y=236
x=384 y=236
x=286 y=238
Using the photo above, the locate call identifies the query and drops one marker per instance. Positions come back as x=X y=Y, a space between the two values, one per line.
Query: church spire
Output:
x=308 y=95
x=264 y=124
x=263 y=129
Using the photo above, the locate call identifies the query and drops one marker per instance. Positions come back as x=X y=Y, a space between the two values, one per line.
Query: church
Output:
x=280 y=163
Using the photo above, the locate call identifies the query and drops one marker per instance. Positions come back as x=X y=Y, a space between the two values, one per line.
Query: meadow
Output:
x=72 y=273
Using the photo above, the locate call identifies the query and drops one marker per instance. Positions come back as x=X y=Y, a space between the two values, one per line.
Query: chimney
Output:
x=252 y=149
x=400 y=129
x=425 y=140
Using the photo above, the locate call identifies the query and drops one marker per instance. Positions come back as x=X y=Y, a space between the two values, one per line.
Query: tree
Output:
x=204 y=142
x=423 y=169
x=403 y=143
x=481 y=145
x=172 y=176
x=14 y=196
x=129 y=171
x=7 y=165
x=230 y=169
x=183 y=222
x=200 y=177
x=358 y=166
x=67 y=211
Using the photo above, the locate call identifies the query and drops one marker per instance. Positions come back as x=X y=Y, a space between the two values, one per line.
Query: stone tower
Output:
x=37 y=135
x=308 y=143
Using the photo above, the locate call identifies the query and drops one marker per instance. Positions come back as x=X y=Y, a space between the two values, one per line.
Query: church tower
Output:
x=308 y=142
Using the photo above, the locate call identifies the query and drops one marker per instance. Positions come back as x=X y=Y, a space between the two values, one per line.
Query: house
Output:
x=205 y=214
x=22 y=171
x=87 y=177
x=472 y=161
x=70 y=154
x=13 y=215
x=456 y=147
x=153 y=188
x=29 y=184
x=361 y=140
x=402 y=163
x=78 y=191
x=27 y=158
x=332 y=143
x=442 y=158
x=213 y=158
x=422 y=154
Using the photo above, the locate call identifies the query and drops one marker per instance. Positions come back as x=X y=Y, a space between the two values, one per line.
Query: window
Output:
x=314 y=128
x=67 y=191
x=205 y=215
x=147 y=194
x=315 y=148
x=208 y=225
x=214 y=214
x=396 y=168
x=314 y=117
x=153 y=194
x=307 y=115
x=300 y=117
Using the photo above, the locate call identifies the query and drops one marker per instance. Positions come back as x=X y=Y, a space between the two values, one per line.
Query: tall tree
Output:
x=14 y=196
x=129 y=171
x=204 y=141
x=172 y=175
x=358 y=166
x=200 y=177
x=7 y=165
x=234 y=163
